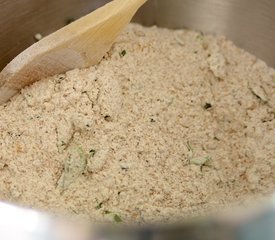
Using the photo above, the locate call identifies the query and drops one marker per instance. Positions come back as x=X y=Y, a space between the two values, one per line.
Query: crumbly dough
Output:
x=171 y=123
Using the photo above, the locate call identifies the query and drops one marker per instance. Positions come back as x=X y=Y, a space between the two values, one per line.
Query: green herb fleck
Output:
x=189 y=147
x=207 y=106
x=259 y=92
x=200 y=161
x=81 y=153
x=107 y=212
x=74 y=166
x=190 y=151
x=92 y=152
x=99 y=206
x=122 y=53
x=200 y=36
x=108 y=118
x=117 y=218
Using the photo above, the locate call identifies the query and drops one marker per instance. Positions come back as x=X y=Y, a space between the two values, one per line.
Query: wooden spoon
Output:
x=81 y=44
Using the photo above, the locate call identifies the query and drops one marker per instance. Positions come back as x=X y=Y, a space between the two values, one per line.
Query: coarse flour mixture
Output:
x=169 y=124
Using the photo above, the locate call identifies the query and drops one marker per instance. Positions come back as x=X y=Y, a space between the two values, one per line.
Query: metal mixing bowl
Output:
x=248 y=23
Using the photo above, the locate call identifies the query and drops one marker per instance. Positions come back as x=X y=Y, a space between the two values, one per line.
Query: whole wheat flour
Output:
x=170 y=123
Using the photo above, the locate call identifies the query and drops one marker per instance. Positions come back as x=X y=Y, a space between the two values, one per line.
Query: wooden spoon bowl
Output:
x=81 y=44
